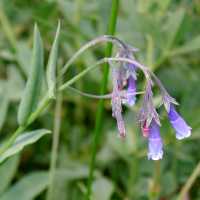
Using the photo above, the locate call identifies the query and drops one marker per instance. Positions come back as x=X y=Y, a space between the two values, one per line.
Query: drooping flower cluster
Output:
x=124 y=92
x=124 y=77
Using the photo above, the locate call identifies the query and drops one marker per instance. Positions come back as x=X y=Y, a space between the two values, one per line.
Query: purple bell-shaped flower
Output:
x=155 y=144
x=131 y=90
x=178 y=123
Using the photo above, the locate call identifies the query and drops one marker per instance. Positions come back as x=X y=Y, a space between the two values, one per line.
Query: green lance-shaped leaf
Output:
x=22 y=141
x=4 y=103
x=188 y=47
x=28 y=187
x=31 y=94
x=51 y=66
x=173 y=26
x=7 y=172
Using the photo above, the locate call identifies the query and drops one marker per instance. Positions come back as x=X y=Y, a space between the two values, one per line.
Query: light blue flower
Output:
x=131 y=90
x=179 y=124
x=155 y=144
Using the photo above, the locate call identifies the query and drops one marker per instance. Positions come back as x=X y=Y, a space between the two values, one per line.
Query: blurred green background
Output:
x=168 y=35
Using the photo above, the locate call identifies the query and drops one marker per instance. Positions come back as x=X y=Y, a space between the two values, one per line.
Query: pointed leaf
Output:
x=51 y=66
x=24 y=56
x=193 y=45
x=7 y=172
x=4 y=102
x=22 y=141
x=14 y=84
x=28 y=187
x=30 y=96
x=173 y=26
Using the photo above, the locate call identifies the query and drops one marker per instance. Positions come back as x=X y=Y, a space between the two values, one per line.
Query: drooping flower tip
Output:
x=121 y=128
x=122 y=135
x=155 y=144
x=145 y=130
x=181 y=127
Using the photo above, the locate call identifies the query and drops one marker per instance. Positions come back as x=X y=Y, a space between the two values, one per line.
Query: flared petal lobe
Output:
x=179 y=124
x=155 y=144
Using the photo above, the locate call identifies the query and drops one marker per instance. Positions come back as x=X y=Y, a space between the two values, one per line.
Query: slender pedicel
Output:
x=101 y=61
x=100 y=39
x=123 y=94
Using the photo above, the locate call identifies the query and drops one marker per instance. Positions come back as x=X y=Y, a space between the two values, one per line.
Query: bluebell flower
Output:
x=131 y=91
x=129 y=75
x=155 y=144
x=124 y=79
x=179 y=124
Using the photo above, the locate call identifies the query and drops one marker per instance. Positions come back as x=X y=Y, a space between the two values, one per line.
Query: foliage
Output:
x=167 y=34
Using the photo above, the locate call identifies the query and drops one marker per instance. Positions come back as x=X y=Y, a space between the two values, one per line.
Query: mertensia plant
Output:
x=124 y=71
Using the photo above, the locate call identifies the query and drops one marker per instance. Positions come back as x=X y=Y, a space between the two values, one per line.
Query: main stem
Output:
x=55 y=144
x=155 y=190
x=99 y=115
x=185 y=189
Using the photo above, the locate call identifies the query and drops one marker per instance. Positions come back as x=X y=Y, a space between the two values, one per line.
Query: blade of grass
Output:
x=174 y=23
x=185 y=189
x=99 y=115
x=10 y=35
x=7 y=28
